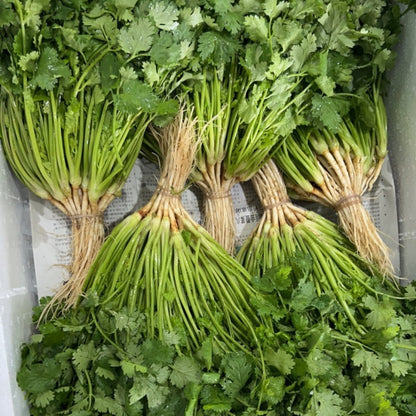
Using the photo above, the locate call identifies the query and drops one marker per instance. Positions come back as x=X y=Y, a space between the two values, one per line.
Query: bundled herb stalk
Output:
x=213 y=106
x=286 y=229
x=337 y=168
x=159 y=261
x=249 y=97
x=74 y=108
x=338 y=156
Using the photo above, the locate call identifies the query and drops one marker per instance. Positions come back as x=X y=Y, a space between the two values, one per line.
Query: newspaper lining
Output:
x=51 y=229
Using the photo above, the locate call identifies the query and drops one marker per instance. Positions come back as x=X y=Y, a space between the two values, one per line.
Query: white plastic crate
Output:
x=401 y=110
x=17 y=287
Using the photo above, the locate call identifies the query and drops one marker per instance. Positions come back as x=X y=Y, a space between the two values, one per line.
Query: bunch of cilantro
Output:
x=79 y=84
x=329 y=368
x=315 y=364
x=244 y=84
x=338 y=154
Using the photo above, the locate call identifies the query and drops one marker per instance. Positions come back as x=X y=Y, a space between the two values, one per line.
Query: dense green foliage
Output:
x=96 y=361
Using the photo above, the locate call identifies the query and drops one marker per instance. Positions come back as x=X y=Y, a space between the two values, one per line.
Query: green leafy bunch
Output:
x=355 y=47
x=327 y=370
x=248 y=95
x=360 y=135
x=74 y=70
x=105 y=365
x=340 y=149
x=79 y=83
x=95 y=361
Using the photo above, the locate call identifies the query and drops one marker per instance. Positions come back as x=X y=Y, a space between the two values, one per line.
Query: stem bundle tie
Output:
x=82 y=216
x=347 y=201
x=218 y=195
x=162 y=190
x=276 y=204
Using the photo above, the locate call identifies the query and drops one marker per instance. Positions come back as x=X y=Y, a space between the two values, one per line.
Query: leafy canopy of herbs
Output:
x=56 y=58
x=105 y=366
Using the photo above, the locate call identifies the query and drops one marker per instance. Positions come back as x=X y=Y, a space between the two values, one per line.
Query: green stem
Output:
x=94 y=318
x=406 y=347
x=90 y=392
x=102 y=51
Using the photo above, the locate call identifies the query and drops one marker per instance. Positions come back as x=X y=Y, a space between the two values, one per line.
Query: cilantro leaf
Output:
x=155 y=352
x=124 y=9
x=101 y=26
x=185 y=370
x=369 y=363
x=321 y=364
x=147 y=387
x=256 y=67
x=215 y=400
x=278 y=66
x=256 y=27
x=238 y=369
x=151 y=73
x=105 y=373
x=361 y=403
x=130 y=368
x=287 y=33
x=328 y=403
x=205 y=353
x=328 y=110
x=109 y=72
x=43 y=399
x=84 y=355
x=410 y=291
x=280 y=359
x=165 y=14
x=326 y=84
x=172 y=337
x=192 y=17
x=217 y=47
x=222 y=6
x=50 y=69
x=160 y=373
x=33 y=9
x=267 y=307
x=400 y=368
x=231 y=22
x=166 y=50
x=75 y=40
x=40 y=377
x=274 y=391
x=301 y=264
x=280 y=93
x=274 y=9
x=303 y=295
x=382 y=312
x=28 y=62
x=105 y=404
x=137 y=37
x=300 y=53
x=334 y=21
x=7 y=15
x=136 y=96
